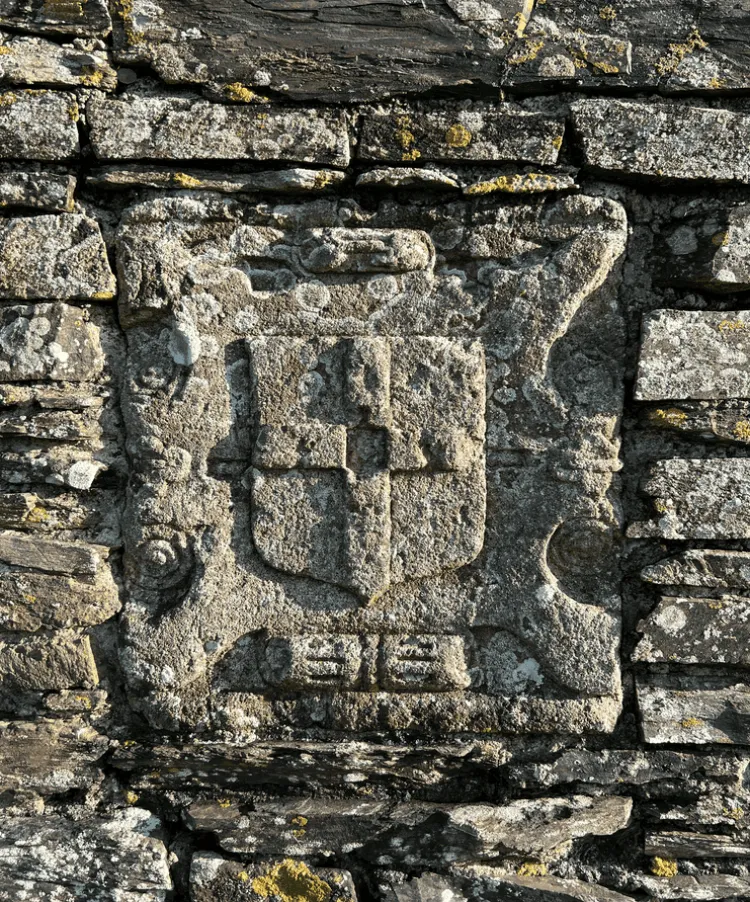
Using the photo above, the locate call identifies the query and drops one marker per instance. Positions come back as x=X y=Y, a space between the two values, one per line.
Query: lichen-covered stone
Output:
x=277 y=181
x=35 y=61
x=94 y=854
x=708 y=253
x=49 y=257
x=217 y=879
x=706 y=567
x=694 y=354
x=663 y=141
x=694 y=710
x=697 y=631
x=679 y=844
x=47 y=191
x=88 y=18
x=48 y=341
x=389 y=834
x=698 y=499
x=171 y=128
x=64 y=661
x=50 y=756
x=38 y=125
x=477 y=133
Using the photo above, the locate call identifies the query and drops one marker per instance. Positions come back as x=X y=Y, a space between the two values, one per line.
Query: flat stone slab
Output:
x=697 y=631
x=41 y=664
x=36 y=61
x=54 y=342
x=694 y=710
x=38 y=125
x=118 y=853
x=663 y=141
x=698 y=499
x=170 y=128
x=708 y=253
x=694 y=354
x=478 y=134
x=54 y=257
x=707 y=567
x=48 y=191
x=390 y=833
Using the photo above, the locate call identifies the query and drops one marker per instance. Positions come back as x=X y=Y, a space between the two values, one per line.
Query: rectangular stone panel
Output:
x=172 y=128
x=48 y=191
x=694 y=354
x=42 y=664
x=666 y=141
x=53 y=342
x=38 y=125
x=54 y=257
x=34 y=61
x=385 y=540
x=478 y=133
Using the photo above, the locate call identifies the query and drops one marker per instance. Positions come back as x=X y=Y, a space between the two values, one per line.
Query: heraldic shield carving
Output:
x=372 y=457
x=368 y=460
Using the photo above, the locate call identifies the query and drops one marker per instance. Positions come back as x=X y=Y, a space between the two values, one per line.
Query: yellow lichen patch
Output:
x=720 y=239
x=322 y=179
x=91 y=76
x=406 y=139
x=225 y=803
x=528 y=50
x=243 y=876
x=29 y=599
x=73 y=114
x=717 y=82
x=731 y=325
x=240 y=93
x=124 y=9
x=183 y=180
x=292 y=881
x=735 y=813
x=458 y=136
x=4 y=50
x=102 y=295
x=676 y=53
x=8 y=99
x=520 y=183
x=532 y=869
x=742 y=430
x=608 y=13
x=131 y=797
x=672 y=416
x=691 y=722
x=715 y=605
x=299 y=821
x=663 y=867
x=37 y=515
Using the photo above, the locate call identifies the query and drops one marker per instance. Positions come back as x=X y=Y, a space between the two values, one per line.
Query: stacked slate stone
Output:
x=374 y=450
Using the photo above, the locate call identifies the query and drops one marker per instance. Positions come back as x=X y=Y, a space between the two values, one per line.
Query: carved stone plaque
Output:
x=372 y=458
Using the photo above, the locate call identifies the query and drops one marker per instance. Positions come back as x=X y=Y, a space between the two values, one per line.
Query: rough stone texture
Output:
x=55 y=257
x=374 y=430
x=38 y=125
x=392 y=834
x=667 y=141
x=693 y=354
x=185 y=129
x=475 y=133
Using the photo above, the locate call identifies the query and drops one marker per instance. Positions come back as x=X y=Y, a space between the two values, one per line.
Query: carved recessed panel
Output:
x=372 y=465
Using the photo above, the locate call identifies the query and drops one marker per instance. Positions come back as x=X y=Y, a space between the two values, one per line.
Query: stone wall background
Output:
x=583 y=165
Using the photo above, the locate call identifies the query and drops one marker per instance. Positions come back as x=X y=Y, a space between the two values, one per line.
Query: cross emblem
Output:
x=368 y=457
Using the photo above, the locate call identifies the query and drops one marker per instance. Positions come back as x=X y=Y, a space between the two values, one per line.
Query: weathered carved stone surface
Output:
x=358 y=464
x=374 y=450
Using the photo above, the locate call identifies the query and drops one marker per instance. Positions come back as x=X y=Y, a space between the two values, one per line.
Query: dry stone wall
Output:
x=374 y=426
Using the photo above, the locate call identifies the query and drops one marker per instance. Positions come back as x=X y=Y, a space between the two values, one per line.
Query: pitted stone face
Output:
x=372 y=465
x=355 y=438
